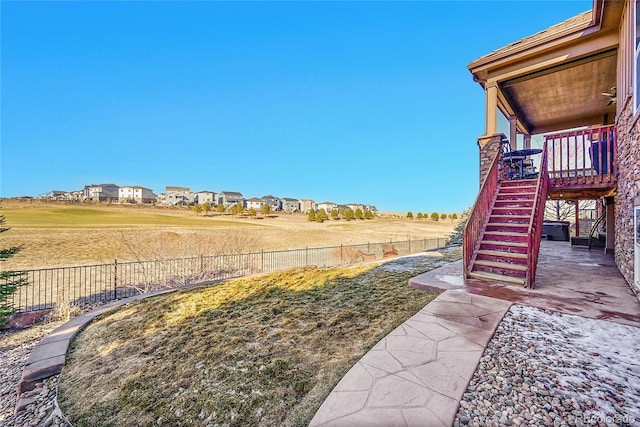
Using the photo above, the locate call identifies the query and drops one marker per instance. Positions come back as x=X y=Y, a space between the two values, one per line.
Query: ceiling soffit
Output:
x=563 y=96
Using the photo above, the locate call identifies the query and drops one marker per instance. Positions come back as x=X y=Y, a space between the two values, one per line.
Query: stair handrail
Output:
x=594 y=227
x=535 y=223
x=480 y=214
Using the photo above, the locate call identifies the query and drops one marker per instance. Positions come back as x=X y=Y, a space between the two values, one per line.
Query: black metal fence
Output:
x=89 y=284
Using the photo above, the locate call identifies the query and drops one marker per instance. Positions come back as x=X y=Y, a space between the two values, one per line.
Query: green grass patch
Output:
x=265 y=350
x=78 y=217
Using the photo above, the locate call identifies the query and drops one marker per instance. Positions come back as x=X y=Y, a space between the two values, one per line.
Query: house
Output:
x=327 y=206
x=254 y=203
x=574 y=87
x=202 y=197
x=177 y=195
x=136 y=194
x=290 y=205
x=101 y=192
x=230 y=198
x=273 y=202
x=355 y=206
x=307 y=205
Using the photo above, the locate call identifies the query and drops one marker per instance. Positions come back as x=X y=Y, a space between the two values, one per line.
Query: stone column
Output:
x=611 y=231
x=489 y=146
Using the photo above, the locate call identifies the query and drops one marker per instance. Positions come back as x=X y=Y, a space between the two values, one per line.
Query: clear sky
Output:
x=347 y=102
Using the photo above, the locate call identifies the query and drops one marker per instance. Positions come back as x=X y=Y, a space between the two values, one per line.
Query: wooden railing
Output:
x=480 y=213
x=582 y=158
x=535 y=224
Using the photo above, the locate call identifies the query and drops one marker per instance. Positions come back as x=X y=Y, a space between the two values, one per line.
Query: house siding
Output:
x=628 y=128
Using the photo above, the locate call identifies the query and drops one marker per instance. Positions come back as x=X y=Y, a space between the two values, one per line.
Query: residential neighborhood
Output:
x=183 y=196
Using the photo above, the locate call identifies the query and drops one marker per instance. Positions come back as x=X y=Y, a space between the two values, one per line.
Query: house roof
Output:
x=554 y=79
x=231 y=193
x=576 y=22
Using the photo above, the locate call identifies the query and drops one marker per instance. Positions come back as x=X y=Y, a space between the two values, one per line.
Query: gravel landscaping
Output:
x=544 y=368
x=15 y=348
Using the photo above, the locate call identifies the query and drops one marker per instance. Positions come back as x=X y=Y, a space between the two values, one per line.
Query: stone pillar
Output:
x=611 y=231
x=491 y=108
x=489 y=146
x=527 y=141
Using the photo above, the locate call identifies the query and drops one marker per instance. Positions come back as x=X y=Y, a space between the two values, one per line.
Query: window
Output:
x=636 y=57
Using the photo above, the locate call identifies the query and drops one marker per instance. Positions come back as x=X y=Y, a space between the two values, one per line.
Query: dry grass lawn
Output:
x=260 y=351
x=57 y=235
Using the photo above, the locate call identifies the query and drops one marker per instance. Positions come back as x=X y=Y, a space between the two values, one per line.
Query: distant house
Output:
x=355 y=206
x=307 y=205
x=136 y=194
x=290 y=205
x=327 y=206
x=371 y=208
x=177 y=195
x=254 y=203
x=273 y=202
x=230 y=198
x=202 y=197
x=101 y=192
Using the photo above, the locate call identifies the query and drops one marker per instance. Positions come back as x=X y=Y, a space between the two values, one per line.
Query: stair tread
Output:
x=496 y=277
x=507 y=233
x=507 y=224
x=502 y=253
x=510 y=216
x=497 y=264
x=500 y=243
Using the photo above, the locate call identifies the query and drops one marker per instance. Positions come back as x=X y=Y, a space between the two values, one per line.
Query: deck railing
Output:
x=535 y=224
x=586 y=157
x=89 y=284
x=480 y=213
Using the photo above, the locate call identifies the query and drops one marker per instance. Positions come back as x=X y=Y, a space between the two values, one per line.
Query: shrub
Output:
x=9 y=280
x=410 y=215
x=435 y=216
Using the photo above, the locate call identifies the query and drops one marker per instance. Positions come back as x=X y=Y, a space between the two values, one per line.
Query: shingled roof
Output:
x=582 y=20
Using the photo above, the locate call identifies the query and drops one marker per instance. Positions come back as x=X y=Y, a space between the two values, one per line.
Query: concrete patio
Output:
x=417 y=374
x=573 y=281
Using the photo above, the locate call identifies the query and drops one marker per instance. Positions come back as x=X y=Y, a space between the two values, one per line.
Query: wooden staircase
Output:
x=503 y=247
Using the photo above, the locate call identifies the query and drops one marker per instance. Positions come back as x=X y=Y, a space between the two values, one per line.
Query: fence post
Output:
x=409 y=245
x=341 y=259
x=438 y=242
x=368 y=248
x=262 y=259
x=306 y=256
x=115 y=279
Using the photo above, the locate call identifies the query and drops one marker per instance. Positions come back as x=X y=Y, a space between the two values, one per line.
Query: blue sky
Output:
x=365 y=102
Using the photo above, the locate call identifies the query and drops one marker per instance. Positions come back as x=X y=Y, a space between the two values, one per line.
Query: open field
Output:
x=263 y=350
x=55 y=235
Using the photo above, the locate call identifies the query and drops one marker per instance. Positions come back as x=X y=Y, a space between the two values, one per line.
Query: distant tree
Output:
x=266 y=209
x=252 y=212
x=237 y=209
x=443 y=216
x=458 y=231
x=419 y=216
x=10 y=281
x=197 y=208
x=322 y=216
x=349 y=214
x=359 y=214
x=454 y=216
x=206 y=208
x=335 y=214
x=368 y=215
x=220 y=208
x=410 y=215
x=435 y=216
x=311 y=215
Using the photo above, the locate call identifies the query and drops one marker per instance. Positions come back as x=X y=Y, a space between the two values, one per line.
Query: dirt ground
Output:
x=50 y=245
